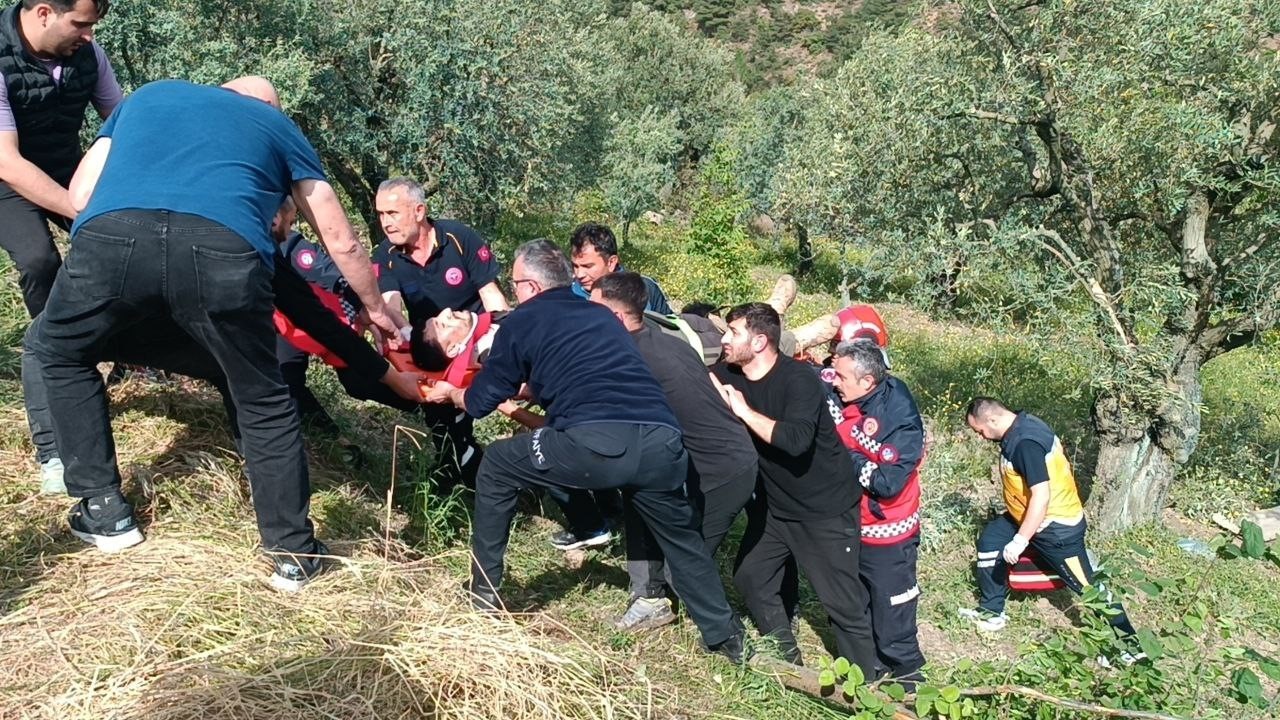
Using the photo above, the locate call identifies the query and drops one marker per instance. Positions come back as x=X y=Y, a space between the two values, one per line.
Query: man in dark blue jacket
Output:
x=603 y=430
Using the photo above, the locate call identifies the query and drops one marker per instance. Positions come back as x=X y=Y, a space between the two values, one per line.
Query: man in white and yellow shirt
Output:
x=1042 y=510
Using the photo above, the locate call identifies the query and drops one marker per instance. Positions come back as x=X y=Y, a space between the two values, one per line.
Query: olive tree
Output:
x=488 y=103
x=1119 y=153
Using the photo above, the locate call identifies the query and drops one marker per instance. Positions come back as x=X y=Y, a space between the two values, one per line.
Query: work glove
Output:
x=1013 y=550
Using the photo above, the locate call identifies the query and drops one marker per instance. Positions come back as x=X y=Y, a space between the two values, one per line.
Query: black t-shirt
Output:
x=719 y=444
x=1028 y=460
x=461 y=264
x=806 y=472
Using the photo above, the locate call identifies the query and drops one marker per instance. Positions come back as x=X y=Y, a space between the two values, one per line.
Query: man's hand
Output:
x=737 y=402
x=1014 y=549
x=388 y=322
x=443 y=392
x=404 y=384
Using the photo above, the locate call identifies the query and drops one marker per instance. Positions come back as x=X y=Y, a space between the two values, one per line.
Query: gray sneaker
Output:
x=51 y=477
x=646 y=614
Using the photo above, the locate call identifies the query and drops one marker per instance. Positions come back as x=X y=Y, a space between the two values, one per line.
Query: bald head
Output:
x=255 y=86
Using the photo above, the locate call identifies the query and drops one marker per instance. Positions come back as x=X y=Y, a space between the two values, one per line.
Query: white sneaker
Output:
x=51 y=477
x=985 y=620
x=645 y=614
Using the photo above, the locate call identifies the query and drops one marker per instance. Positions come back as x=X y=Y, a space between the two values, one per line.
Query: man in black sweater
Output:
x=810 y=505
x=722 y=459
x=603 y=430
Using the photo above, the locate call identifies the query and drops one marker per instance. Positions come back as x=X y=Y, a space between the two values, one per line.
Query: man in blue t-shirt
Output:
x=175 y=199
x=595 y=254
x=603 y=430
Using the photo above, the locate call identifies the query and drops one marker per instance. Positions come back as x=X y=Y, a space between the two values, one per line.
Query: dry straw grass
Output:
x=184 y=626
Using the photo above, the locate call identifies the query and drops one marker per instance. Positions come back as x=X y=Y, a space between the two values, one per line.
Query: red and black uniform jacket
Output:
x=885 y=438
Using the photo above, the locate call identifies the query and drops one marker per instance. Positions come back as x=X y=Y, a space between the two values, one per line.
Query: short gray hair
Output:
x=408 y=185
x=545 y=263
x=867 y=357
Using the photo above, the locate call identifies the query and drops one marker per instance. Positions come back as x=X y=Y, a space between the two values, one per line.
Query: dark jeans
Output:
x=293 y=370
x=827 y=551
x=133 y=269
x=646 y=461
x=716 y=510
x=1060 y=546
x=889 y=574
x=24 y=234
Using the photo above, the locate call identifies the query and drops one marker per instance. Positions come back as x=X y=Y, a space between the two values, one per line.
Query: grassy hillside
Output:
x=184 y=625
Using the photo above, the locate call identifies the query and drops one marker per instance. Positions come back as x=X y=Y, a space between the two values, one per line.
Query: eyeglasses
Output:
x=515 y=283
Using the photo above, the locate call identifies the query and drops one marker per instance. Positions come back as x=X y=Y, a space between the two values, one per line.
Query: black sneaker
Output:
x=569 y=540
x=484 y=599
x=295 y=570
x=106 y=522
x=733 y=648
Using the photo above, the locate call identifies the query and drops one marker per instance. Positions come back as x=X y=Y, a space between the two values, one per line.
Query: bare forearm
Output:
x=31 y=183
x=1037 y=509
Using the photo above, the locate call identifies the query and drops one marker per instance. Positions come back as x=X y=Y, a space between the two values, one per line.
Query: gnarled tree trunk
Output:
x=1139 y=455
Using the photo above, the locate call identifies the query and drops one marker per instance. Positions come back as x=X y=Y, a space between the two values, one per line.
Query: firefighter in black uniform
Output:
x=881 y=427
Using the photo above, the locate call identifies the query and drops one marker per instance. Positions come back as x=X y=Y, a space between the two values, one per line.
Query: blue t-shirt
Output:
x=203 y=151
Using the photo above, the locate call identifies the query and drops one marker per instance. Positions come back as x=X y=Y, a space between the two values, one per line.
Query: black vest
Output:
x=48 y=115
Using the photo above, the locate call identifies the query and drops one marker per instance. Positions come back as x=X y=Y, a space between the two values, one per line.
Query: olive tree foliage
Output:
x=661 y=66
x=639 y=163
x=1120 y=155
x=488 y=103
x=761 y=139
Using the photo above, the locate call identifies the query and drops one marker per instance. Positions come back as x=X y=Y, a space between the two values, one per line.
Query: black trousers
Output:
x=889 y=574
x=716 y=510
x=130 y=270
x=827 y=551
x=24 y=234
x=646 y=461
x=1060 y=546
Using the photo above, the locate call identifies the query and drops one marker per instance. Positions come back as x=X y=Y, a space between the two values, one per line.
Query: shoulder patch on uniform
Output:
x=484 y=253
x=453 y=276
x=828 y=375
x=888 y=454
x=307 y=258
x=870 y=426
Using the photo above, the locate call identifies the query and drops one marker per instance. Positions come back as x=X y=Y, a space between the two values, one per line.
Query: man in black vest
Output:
x=52 y=70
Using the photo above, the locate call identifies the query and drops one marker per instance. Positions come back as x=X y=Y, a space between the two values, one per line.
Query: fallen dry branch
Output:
x=1060 y=702
x=805 y=680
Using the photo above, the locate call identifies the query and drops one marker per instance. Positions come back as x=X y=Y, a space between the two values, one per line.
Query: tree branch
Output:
x=1238 y=331
x=1060 y=702
x=1054 y=243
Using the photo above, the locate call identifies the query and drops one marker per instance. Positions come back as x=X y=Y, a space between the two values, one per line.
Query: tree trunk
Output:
x=1139 y=454
x=804 y=249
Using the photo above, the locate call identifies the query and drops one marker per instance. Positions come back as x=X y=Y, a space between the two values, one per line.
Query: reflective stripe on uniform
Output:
x=907 y=596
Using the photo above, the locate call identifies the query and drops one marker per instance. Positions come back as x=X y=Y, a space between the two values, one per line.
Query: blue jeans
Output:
x=133 y=278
